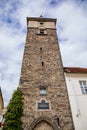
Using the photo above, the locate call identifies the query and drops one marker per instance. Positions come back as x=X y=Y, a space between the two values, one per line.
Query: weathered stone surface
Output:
x=34 y=73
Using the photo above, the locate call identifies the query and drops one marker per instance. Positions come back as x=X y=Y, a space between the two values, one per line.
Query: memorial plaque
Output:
x=43 y=105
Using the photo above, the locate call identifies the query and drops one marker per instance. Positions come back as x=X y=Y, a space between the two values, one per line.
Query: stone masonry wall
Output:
x=38 y=49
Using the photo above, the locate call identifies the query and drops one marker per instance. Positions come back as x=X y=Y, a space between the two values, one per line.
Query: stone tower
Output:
x=46 y=105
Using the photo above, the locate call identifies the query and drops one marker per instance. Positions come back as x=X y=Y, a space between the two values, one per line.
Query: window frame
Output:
x=43 y=90
x=41 y=23
x=83 y=86
x=42 y=32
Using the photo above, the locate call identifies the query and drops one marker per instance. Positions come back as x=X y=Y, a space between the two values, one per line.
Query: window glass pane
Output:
x=42 y=91
x=41 y=31
x=83 y=86
x=41 y=23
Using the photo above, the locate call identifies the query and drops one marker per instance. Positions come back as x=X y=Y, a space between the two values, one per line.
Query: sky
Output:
x=71 y=29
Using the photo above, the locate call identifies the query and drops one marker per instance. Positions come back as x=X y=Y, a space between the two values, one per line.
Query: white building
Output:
x=76 y=80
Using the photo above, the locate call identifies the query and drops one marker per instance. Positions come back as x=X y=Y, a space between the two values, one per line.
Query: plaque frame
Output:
x=41 y=101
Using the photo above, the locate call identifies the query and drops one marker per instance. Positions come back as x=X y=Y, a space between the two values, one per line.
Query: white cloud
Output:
x=72 y=30
x=72 y=37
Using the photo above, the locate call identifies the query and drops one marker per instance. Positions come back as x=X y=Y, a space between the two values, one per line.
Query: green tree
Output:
x=14 y=112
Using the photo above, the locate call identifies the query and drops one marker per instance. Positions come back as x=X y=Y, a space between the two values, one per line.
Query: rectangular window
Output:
x=43 y=90
x=41 y=31
x=41 y=23
x=83 y=85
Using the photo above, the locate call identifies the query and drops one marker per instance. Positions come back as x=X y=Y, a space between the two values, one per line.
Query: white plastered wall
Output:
x=78 y=101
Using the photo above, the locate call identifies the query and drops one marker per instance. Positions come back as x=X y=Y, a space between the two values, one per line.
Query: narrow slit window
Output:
x=58 y=121
x=42 y=63
x=40 y=48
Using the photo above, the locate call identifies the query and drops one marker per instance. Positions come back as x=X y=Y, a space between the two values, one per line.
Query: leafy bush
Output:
x=14 y=112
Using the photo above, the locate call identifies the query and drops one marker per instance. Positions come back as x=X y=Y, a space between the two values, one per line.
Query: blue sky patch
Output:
x=17 y=25
x=9 y=20
x=55 y=2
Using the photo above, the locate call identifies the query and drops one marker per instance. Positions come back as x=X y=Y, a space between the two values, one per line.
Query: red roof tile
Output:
x=75 y=70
